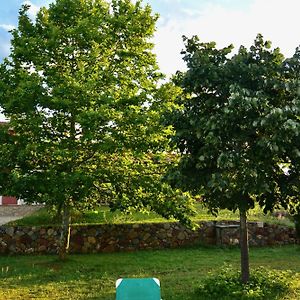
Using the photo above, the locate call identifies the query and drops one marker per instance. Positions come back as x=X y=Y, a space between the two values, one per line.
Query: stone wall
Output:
x=130 y=237
x=259 y=233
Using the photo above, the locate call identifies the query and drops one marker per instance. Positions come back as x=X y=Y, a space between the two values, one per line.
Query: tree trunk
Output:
x=244 y=247
x=64 y=241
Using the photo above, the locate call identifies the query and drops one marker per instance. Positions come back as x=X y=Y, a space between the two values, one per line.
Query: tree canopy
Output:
x=232 y=126
x=235 y=125
x=81 y=91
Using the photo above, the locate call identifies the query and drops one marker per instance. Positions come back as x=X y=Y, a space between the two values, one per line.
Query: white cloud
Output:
x=277 y=20
x=33 y=10
x=7 y=27
x=4 y=48
x=168 y=44
x=172 y=1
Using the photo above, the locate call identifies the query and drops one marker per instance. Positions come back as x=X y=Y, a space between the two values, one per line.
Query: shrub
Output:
x=264 y=284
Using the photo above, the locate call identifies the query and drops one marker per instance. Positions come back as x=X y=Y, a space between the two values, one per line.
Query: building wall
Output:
x=8 y=200
x=5 y=200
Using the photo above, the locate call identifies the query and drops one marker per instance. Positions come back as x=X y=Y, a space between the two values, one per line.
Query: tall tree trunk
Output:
x=244 y=246
x=64 y=241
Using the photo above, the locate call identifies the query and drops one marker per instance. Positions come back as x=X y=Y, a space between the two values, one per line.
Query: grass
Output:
x=104 y=216
x=93 y=276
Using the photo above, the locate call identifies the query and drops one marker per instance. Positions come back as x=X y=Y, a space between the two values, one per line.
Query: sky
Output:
x=226 y=22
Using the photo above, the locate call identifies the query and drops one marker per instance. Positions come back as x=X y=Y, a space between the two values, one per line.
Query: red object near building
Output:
x=9 y=200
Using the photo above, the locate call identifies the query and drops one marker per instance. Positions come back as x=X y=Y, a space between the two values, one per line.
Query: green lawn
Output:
x=103 y=215
x=93 y=276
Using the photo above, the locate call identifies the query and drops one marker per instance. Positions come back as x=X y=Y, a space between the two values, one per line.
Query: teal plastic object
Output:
x=138 y=289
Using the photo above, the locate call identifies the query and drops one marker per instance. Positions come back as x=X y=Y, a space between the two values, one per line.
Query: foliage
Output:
x=235 y=125
x=6 y=157
x=264 y=284
x=290 y=180
x=229 y=124
x=81 y=91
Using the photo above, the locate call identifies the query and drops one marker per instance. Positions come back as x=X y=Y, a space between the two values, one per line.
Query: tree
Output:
x=80 y=89
x=289 y=181
x=229 y=128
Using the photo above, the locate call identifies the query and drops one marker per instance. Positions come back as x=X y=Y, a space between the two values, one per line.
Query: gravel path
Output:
x=14 y=212
x=4 y=220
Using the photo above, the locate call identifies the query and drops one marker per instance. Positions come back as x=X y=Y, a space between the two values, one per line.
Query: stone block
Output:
x=50 y=231
x=91 y=240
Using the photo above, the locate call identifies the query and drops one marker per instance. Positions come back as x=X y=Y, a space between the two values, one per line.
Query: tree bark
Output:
x=244 y=247
x=64 y=241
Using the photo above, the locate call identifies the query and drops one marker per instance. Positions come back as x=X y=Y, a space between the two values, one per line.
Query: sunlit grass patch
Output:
x=104 y=216
x=181 y=272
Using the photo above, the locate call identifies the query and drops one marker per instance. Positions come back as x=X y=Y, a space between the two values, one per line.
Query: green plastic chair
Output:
x=138 y=289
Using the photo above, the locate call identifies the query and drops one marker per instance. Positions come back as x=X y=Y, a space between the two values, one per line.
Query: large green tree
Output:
x=80 y=89
x=289 y=182
x=229 y=128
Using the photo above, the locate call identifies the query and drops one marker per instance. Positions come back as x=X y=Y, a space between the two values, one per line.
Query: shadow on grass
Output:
x=93 y=276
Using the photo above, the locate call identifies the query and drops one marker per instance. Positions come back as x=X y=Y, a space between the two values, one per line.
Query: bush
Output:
x=263 y=284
